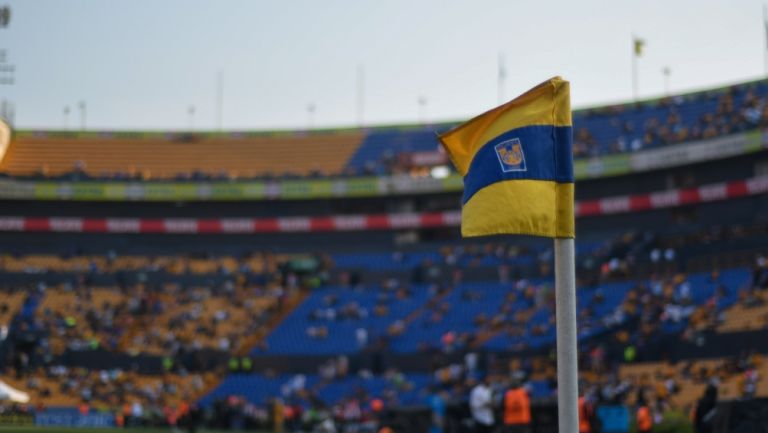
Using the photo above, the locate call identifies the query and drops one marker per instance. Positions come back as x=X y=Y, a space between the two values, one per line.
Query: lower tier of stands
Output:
x=399 y=389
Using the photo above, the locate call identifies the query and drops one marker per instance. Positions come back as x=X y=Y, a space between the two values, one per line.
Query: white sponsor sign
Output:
x=615 y=204
x=179 y=225
x=428 y=159
x=298 y=224
x=713 y=192
x=682 y=154
x=123 y=225
x=354 y=222
x=11 y=224
x=66 y=224
x=230 y=225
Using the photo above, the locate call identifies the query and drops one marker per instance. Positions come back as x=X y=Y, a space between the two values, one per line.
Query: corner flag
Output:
x=517 y=163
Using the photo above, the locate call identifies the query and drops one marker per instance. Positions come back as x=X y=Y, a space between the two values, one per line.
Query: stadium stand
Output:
x=610 y=129
x=174 y=265
x=10 y=307
x=427 y=312
x=64 y=387
x=180 y=156
x=746 y=318
x=137 y=320
x=510 y=315
x=684 y=382
x=678 y=384
x=381 y=152
x=669 y=120
x=402 y=389
x=174 y=310
x=378 y=151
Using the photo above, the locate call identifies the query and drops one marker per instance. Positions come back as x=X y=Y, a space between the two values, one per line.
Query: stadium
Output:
x=316 y=279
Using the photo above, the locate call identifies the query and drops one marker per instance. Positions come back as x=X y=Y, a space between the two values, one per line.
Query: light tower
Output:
x=7 y=69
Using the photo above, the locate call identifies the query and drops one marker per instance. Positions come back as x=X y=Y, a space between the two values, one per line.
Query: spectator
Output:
x=586 y=415
x=517 y=410
x=481 y=406
x=438 y=410
x=643 y=418
x=706 y=410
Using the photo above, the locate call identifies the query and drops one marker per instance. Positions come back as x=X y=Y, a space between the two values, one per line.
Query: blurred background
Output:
x=236 y=216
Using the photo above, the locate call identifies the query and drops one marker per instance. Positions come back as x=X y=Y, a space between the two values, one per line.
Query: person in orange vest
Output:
x=586 y=415
x=643 y=417
x=517 y=410
x=289 y=413
x=377 y=405
x=183 y=409
x=84 y=408
x=171 y=416
x=127 y=411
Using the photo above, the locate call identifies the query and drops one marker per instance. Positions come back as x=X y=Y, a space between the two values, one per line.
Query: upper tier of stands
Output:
x=597 y=131
x=181 y=156
x=609 y=129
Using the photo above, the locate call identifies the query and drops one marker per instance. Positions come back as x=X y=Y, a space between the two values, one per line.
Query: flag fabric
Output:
x=638 y=44
x=517 y=163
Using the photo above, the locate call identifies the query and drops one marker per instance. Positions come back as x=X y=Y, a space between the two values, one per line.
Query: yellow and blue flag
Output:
x=517 y=163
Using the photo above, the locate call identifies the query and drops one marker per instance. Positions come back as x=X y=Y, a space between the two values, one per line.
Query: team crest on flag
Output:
x=522 y=199
x=511 y=156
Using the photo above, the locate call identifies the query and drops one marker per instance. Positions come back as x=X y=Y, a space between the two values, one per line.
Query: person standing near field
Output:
x=517 y=409
x=643 y=416
x=437 y=406
x=706 y=410
x=481 y=406
x=586 y=415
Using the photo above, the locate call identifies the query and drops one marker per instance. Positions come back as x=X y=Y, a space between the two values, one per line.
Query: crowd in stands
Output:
x=79 y=173
x=423 y=298
x=517 y=312
x=59 y=385
x=599 y=131
x=673 y=120
x=668 y=392
x=178 y=327
x=169 y=318
x=163 y=321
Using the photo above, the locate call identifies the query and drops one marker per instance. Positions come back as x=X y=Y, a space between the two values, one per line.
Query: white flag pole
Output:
x=567 y=353
x=765 y=35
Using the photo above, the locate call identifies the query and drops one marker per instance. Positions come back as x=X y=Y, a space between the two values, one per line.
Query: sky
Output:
x=141 y=64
